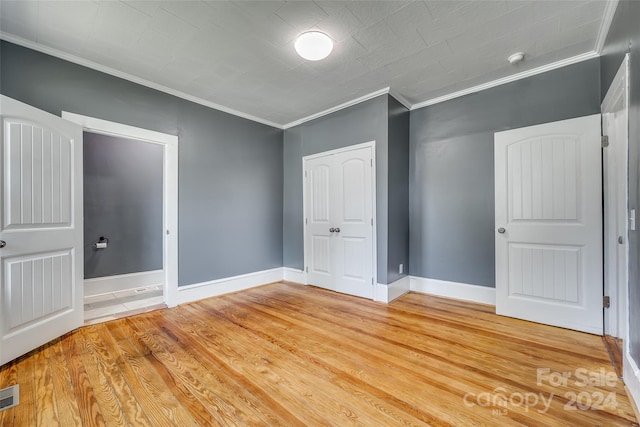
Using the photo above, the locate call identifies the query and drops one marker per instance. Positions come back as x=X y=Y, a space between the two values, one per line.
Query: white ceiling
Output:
x=240 y=55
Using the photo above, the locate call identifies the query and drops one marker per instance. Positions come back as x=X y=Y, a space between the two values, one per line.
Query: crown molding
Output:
x=605 y=24
x=337 y=107
x=401 y=99
x=508 y=79
x=608 y=16
x=126 y=76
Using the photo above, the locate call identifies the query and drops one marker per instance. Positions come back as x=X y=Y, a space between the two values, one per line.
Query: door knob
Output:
x=3 y=243
x=501 y=230
x=620 y=240
x=337 y=229
x=331 y=230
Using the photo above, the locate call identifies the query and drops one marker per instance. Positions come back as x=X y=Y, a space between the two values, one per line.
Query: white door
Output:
x=339 y=221
x=41 y=263
x=549 y=224
x=615 y=127
x=319 y=246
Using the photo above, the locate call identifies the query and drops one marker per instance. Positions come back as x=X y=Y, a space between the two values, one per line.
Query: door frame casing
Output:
x=170 y=188
x=374 y=240
x=617 y=314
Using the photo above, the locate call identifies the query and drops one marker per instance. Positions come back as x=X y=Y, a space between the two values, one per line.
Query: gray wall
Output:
x=398 y=237
x=367 y=121
x=451 y=170
x=230 y=169
x=623 y=37
x=123 y=183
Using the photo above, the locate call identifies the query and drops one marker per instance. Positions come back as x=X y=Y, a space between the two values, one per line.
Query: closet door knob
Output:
x=337 y=229
x=3 y=243
x=331 y=230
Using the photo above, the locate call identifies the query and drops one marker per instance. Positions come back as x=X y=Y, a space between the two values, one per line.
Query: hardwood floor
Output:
x=289 y=355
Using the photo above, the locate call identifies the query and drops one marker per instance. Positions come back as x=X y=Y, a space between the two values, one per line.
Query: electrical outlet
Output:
x=401 y=269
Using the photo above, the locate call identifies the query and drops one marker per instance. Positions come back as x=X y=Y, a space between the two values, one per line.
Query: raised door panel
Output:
x=543 y=179
x=35 y=288
x=541 y=272
x=37 y=176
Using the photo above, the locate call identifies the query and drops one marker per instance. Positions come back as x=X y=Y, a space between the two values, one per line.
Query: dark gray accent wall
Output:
x=364 y=122
x=451 y=171
x=123 y=183
x=624 y=37
x=398 y=237
x=230 y=169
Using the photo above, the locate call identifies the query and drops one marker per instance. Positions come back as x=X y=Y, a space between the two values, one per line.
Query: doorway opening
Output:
x=130 y=211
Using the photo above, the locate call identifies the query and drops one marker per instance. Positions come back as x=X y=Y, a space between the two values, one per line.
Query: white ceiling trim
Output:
x=401 y=99
x=337 y=107
x=508 y=79
x=387 y=90
x=90 y=64
x=605 y=24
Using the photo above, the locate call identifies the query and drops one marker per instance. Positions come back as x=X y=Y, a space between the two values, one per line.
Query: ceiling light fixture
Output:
x=313 y=45
x=516 y=57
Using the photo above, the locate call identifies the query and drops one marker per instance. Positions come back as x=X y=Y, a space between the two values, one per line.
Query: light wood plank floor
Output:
x=291 y=355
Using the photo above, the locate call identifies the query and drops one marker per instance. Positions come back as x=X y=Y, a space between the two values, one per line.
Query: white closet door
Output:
x=339 y=221
x=549 y=224
x=353 y=216
x=319 y=249
x=41 y=261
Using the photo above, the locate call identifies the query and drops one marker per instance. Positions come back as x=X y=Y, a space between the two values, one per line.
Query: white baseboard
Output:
x=392 y=291
x=381 y=293
x=462 y=291
x=631 y=377
x=294 y=275
x=227 y=285
x=121 y=282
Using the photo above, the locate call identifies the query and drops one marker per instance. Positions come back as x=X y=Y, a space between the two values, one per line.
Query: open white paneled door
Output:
x=549 y=223
x=615 y=125
x=41 y=261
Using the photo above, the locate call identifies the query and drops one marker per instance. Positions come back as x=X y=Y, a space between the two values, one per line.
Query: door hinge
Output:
x=372 y=222
x=305 y=174
x=605 y=141
x=606 y=301
x=306 y=220
x=371 y=162
x=306 y=269
x=372 y=281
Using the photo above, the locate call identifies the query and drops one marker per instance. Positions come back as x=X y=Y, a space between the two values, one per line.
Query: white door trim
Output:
x=372 y=145
x=170 y=193
x=616 y=316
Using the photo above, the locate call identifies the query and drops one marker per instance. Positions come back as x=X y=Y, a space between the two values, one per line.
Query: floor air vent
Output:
x=9 y=397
